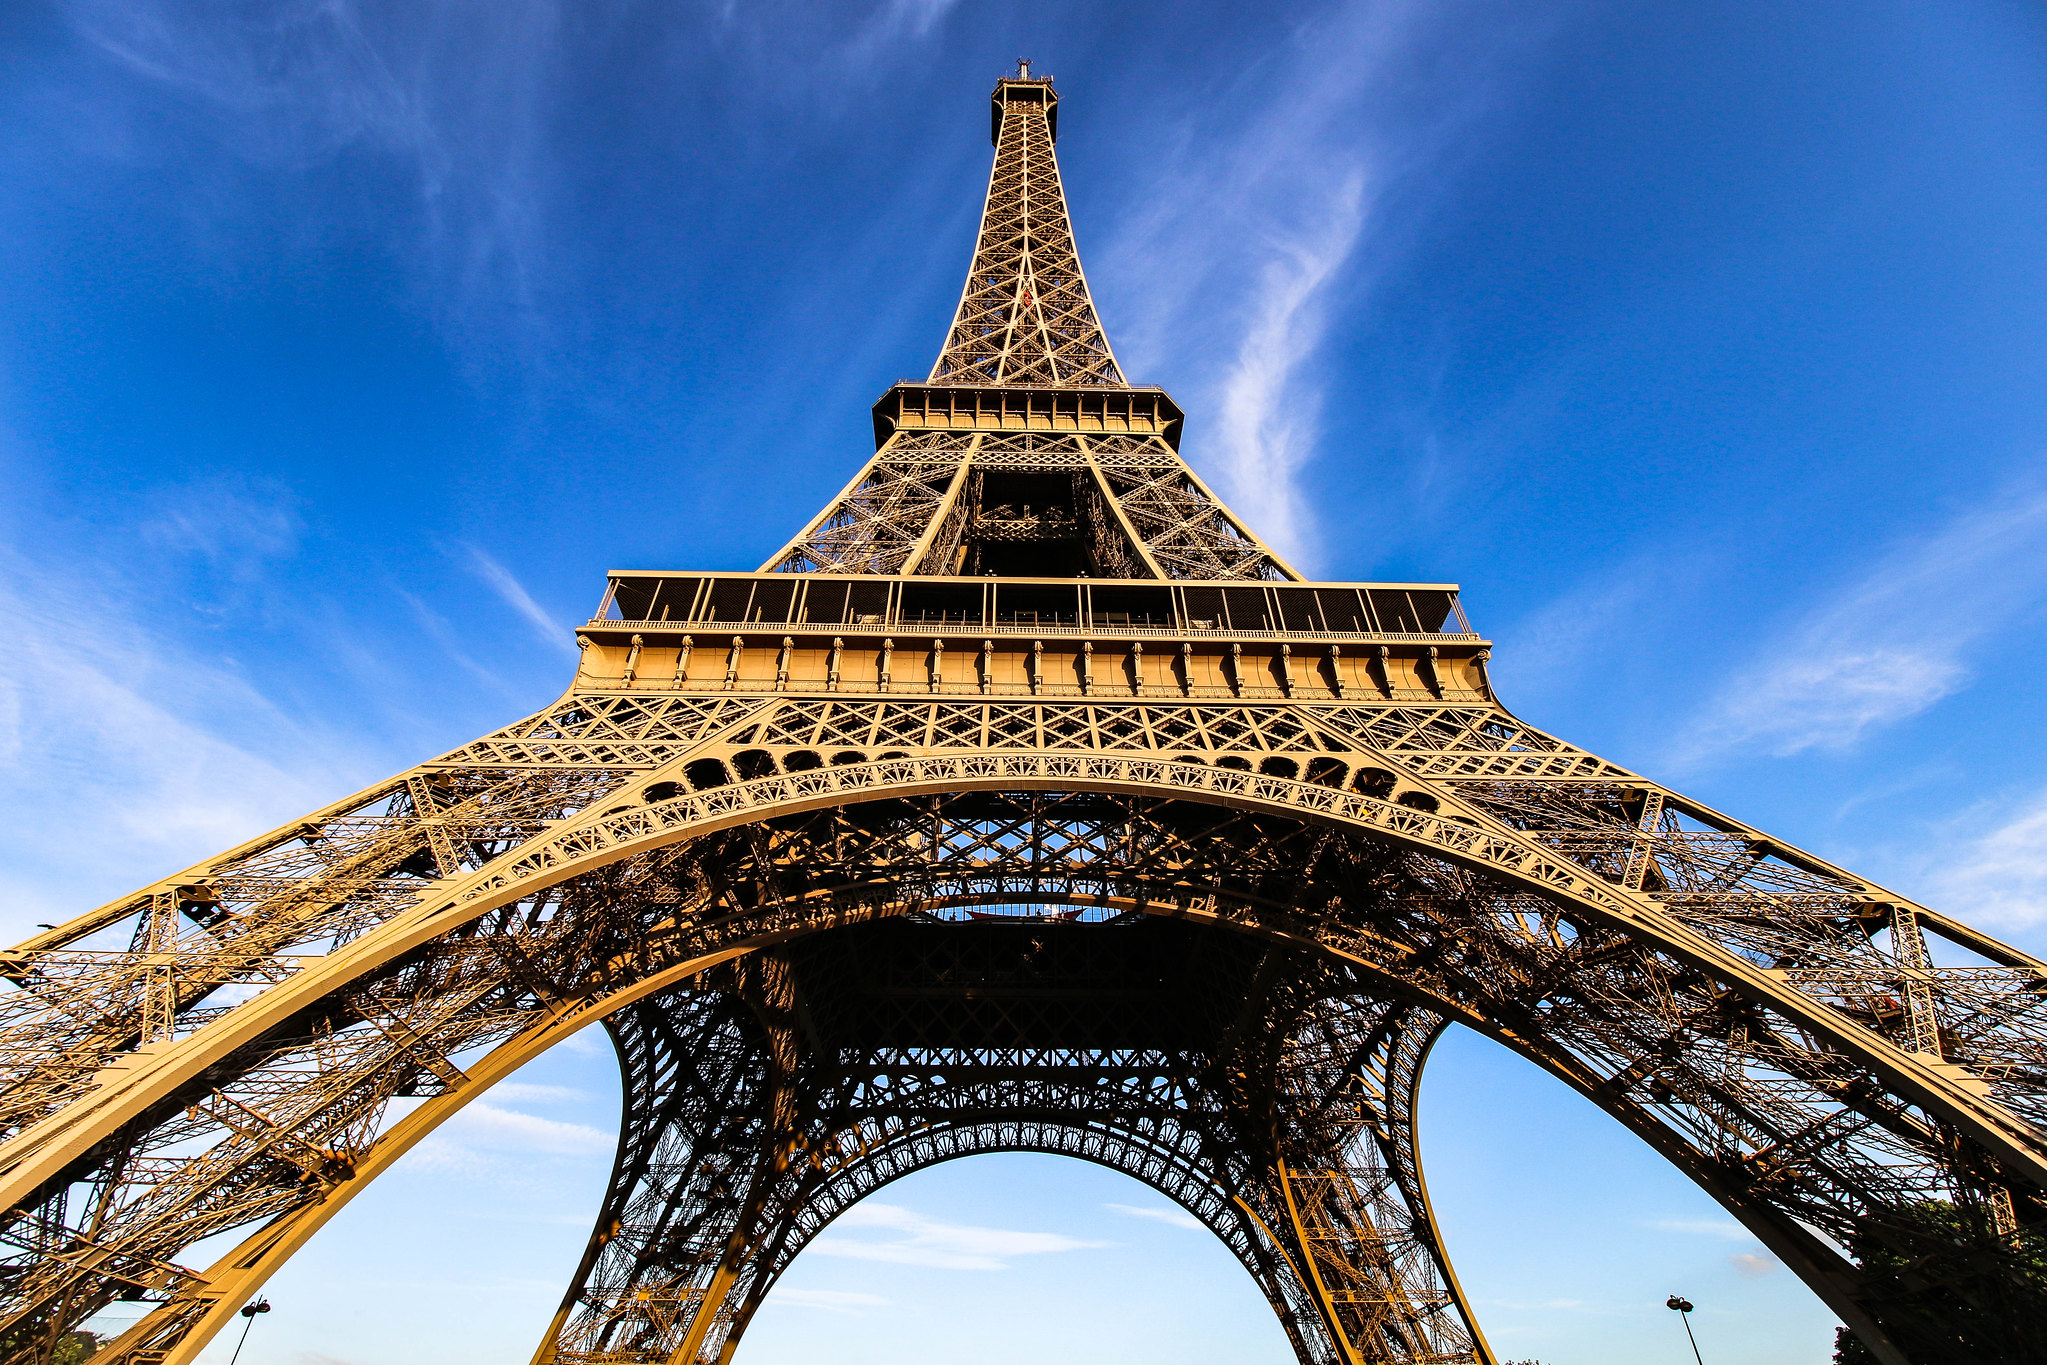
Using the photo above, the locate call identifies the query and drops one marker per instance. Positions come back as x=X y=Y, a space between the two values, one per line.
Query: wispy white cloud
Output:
x=455 y=99
x=1706 y=1227
x=516 y=597
x=897 y=20
x=917 y=1240
x=488 y=1126
x=1751 y=1265
x=527 y=1092
x=830 y=1300
x=237 y=528
x=1891 y=644
x=1268 y=422
x=1253 y=236
x=115 y=732
x=1996 y=877
x=1178 y=1217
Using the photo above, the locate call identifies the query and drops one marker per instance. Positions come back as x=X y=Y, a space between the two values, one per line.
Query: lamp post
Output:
x=249 y=1312
x=1676 y=1303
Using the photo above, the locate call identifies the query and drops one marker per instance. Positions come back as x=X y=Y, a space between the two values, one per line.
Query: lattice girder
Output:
x=1642 y=984
x=1027 y=383
x=1160 y=1115
x=1025 y=316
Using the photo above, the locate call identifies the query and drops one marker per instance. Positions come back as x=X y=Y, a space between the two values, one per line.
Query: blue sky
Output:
x=343 y=346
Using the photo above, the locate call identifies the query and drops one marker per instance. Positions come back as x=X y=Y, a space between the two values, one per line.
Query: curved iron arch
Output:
x=1172 y=1147
x=1546 y=881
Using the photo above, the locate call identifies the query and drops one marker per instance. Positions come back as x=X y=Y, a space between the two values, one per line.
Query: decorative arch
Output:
x=1470 y=917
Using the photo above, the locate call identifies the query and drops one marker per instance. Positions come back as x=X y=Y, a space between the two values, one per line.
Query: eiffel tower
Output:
x=1025 y=801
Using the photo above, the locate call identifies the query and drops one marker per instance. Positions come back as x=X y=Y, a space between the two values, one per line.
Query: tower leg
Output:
x=700 y=1113
x=1345 y=1195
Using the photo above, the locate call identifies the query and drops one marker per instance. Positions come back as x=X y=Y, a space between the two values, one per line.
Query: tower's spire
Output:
x=1027 y=454
x=1025 y=317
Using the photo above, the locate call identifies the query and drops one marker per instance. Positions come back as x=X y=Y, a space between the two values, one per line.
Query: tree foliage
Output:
x=1948 y=1289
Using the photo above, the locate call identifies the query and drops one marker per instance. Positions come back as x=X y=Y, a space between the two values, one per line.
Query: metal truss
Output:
x=1019 y=387
x=1733 y=1010
x=1255 y=851
x=1025 y=316
x=723 y=1176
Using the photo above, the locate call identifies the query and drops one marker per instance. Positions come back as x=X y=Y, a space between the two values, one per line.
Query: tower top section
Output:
x=1026 y=454
x=1025 y=318
x=1023 y=88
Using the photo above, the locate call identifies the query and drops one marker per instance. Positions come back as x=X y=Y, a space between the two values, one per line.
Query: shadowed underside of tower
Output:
x=1024 y=801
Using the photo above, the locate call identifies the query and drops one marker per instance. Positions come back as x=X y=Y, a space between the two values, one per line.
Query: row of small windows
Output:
x=749 y=764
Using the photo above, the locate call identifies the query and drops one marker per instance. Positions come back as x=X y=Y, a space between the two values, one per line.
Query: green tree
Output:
x=1947 y=1289
x=75 y=1348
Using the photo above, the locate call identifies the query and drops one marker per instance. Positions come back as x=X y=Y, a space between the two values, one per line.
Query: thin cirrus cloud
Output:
x=1176 y=1217
x=1750 y=1265
x=460 y=101
x=527 y=1092
x=1997 y=877
x=491 y=1127
x=1890 y=645
x=1248 y=244
x=900 y=1236
x=454 y=100
x=1229 y=264
x=514 y=595
x=122 y=729
x=1705 y=1227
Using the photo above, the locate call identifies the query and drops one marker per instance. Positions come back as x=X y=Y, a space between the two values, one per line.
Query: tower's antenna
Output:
x=1023 y=68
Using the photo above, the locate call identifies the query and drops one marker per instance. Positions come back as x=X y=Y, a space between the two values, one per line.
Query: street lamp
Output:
x=1676 y=1303
x=249 y=1312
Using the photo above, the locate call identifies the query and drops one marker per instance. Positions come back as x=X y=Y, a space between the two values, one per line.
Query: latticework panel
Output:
x=1183 y=527
x=880 y=522
x=918 y=500
x=1025 y=316
x=887 y=1084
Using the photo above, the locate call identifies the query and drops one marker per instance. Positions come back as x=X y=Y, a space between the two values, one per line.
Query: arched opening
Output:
x=1569 y=1231
x=1016 y=1258
x=1378 y=782
x=1327 y=772
x=706 y=773
x=903 y=827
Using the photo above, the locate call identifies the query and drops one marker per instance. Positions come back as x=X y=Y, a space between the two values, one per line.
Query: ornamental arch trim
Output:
x=1459 y=835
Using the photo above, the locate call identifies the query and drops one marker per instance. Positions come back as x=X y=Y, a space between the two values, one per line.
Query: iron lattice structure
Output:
x=1025 y=802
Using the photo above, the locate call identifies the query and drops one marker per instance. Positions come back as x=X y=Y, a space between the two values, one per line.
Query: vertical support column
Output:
x=1915 y=981
x=425 y=807
x=1641 y=847
x=156 y=939
x=1922 y=1023
x=699 y=1080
